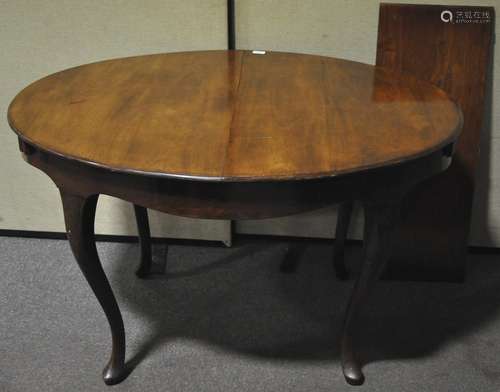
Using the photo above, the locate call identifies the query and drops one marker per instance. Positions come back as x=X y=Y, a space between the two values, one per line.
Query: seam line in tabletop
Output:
x=233 y=115
x=235 y=97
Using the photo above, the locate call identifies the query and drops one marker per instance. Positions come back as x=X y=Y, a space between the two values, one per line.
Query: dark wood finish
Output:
x=380 y=218
x=228 y=200
x=234 y=116
x=433 y=235
x=289 y=265
x=79 y=213
x=141 y=218
x=343 y=219
x=230 y=135
x=216 y=199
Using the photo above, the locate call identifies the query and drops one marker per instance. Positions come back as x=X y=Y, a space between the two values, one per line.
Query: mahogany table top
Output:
x=235 y=115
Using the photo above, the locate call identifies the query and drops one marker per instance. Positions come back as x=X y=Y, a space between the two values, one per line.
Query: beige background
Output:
x=41 y=37
x=348 y=29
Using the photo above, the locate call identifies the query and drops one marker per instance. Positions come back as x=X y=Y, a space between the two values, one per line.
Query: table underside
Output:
x=380 y=191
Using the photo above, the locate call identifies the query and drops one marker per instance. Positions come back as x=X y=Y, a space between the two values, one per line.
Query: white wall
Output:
x=348 y=29
x=40 y=37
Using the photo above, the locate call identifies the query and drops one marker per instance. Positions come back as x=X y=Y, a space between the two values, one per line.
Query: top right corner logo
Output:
x=465 y=17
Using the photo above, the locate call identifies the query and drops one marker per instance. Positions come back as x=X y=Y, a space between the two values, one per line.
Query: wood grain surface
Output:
x=243 y=120
x=433 y=236
x=235 y=115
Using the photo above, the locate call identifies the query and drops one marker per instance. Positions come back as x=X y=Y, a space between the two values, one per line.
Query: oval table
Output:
x=233 y=135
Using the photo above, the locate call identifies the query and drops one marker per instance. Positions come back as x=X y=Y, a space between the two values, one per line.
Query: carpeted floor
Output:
x=228 y=320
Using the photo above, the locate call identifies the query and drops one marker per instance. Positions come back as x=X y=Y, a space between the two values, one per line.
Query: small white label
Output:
x=258 y=51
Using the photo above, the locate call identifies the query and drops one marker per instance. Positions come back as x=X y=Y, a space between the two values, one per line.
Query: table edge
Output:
x=454 y=134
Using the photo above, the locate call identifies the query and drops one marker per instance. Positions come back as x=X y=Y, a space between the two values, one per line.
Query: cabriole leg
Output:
x=380 y=218
x=79 y=213
x=141 y=217
x=344 y=217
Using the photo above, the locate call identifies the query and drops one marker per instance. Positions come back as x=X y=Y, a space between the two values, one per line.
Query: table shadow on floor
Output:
x=237 y=299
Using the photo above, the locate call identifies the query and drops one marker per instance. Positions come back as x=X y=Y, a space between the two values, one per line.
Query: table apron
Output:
x=232 y=200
